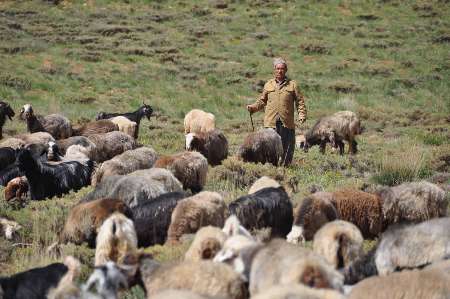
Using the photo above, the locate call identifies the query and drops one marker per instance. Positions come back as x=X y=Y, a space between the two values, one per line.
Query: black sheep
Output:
x=152 y=218
x=144 y=110
x=50 y=179
x=5 y=111
x=268 y=207
x=34 y=283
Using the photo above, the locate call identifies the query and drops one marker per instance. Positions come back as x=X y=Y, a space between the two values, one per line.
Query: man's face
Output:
x=280 y=71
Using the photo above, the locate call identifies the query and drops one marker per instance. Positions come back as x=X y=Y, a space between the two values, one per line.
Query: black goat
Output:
x=34 y=283
x=144 y=110
x=5 y=110
x=152 y=218
x=50 y=179
x=11 y=171
x=268 y=207
x=7 y=157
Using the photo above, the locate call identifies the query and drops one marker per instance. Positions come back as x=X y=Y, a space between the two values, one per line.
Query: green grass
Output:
x=385 y=60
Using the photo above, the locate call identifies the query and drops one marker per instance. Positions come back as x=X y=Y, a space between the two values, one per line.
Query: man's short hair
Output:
x=279 y=60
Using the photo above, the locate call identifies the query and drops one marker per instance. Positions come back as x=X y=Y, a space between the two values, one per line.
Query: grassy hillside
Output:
x=388 y=61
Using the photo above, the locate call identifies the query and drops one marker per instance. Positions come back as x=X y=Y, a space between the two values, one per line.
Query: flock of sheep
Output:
x=252 y=247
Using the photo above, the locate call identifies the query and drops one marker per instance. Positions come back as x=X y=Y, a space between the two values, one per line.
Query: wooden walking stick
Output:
x=251 y=119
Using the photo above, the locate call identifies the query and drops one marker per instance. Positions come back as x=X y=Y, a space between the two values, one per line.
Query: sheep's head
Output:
x=146 y=110
x=296 y=235
x=5 y=109
x=26 y=111
x=100 y=115
x=53 y=151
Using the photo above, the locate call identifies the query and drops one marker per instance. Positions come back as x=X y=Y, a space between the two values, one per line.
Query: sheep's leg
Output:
x=353 y=147
x=322 y=146
x=340 y=144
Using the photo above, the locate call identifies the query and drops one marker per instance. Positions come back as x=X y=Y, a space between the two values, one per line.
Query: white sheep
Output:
x=125 y=125
x=199 y=121
x=116 y=239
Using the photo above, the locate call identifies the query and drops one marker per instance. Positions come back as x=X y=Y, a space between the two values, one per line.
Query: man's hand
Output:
x=251 y=109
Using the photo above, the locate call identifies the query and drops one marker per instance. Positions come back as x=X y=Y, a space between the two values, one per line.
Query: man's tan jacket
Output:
x=280 y=100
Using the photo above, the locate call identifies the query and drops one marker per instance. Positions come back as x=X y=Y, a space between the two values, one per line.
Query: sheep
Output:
x=190 y=214
x=268 y=207
x=204 y=277
x=132 y=189
x=47 y=180
x=342 y=125
x=360 y=208
x=297 y=291
x=233 y=227
x=116 y=239
x=5 y=111
x=84 y=220
x=413 y=246
x=178 y=294
x=64 y=144
x=339 y=242
x=16 y=188
x=263 y=146
x=33 y=283
x=111 y=144
x=9 y=228
x=95 y=127
x=152 y=218
x=279 y=263
x=361 y=268
x=57 y=125
x=429 y=283
x=199 y=121
x=190 y=168
x=263 y=182
x=136 y=116
x=12 y=142
x=125 y=125
x=413 y=202
x=36 y=138
x=128 y=161
x=213 y=145
x=207 y=243
x=161 y=175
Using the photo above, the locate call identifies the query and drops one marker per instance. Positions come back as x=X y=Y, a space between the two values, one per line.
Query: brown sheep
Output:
x=127 y=162
x=360 y=208
x=297 y=291
x=192 y=213
x=339 y=242
x=95 y=127
x=314 y=211
x=190 y=168
x=21 y=140
x=84 y=220
x=111 y=144
x=199 y=121
x=433 y=282
x=342 y=125
x=64 y=144
x=413 y=202
x=207 y=242
x=204 y=277
x=16 y=188
x=213 y=145
x=263 y=146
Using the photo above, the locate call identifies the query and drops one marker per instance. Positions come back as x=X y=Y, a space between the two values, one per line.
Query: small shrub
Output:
x=403 y=166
